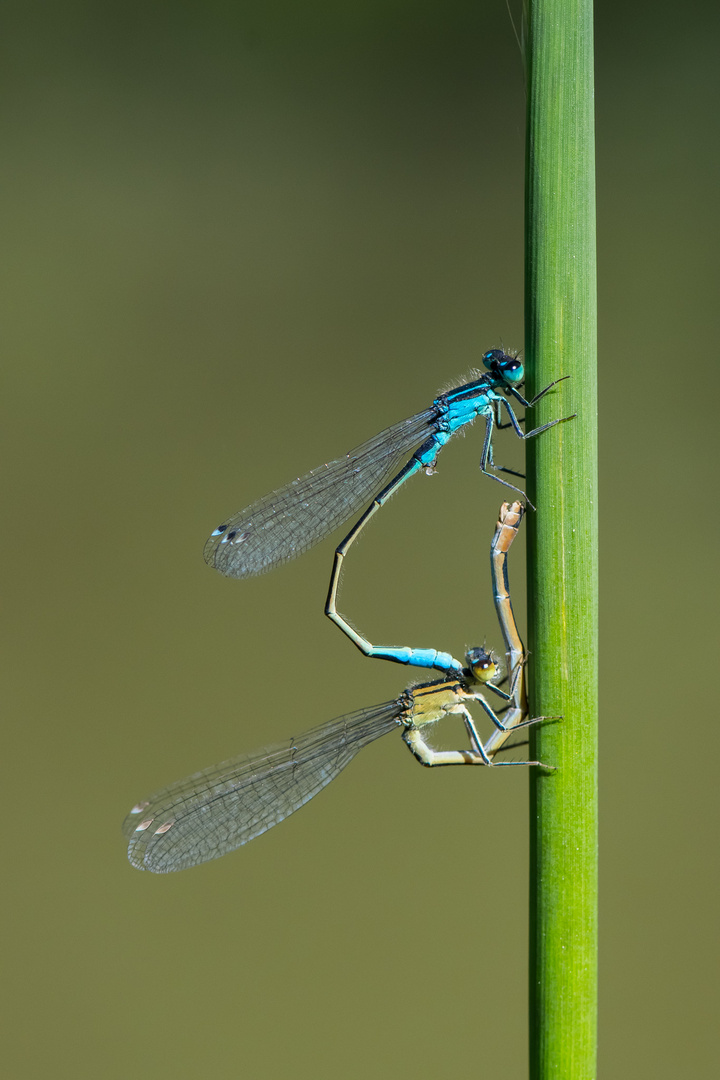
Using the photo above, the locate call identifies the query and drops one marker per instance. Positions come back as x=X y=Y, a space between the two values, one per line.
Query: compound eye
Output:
x=513 y=372
x=482 y=664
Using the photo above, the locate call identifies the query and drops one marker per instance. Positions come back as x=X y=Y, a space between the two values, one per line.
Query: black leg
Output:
x=501 y=427
x=513 y=420
x=529 y=404
x=543 y=392
x=536 y=431
x=486 y=456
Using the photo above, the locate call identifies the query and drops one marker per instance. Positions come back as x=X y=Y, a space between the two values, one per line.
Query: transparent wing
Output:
x=217 y=810
x=292 y=519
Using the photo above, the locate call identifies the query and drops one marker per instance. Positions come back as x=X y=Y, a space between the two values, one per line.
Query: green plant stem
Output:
x=560 y=329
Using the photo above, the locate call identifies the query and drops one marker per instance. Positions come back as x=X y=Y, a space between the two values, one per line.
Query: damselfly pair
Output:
x=219 y=809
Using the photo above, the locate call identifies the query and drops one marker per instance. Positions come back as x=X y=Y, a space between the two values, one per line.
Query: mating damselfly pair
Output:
x=214 y=811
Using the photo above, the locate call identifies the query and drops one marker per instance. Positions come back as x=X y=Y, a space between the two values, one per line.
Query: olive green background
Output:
x=237 y=240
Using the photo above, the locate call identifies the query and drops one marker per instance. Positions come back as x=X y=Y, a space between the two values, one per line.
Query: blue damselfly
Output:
x=288 y=522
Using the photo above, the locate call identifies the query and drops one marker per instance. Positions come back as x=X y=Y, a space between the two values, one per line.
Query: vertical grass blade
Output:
x=561 y=322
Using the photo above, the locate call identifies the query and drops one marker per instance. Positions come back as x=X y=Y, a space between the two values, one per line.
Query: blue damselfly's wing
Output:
x=289 y=521
x=217 y=810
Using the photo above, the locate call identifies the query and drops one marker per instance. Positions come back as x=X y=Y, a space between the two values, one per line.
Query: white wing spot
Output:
x=144 y=825
x=164 y=828
x=139 y=807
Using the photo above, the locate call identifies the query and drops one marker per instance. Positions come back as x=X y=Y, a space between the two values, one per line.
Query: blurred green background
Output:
x=239 y=239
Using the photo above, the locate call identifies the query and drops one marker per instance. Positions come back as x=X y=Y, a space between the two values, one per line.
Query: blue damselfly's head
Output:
x=482 y=665
x=507 y=369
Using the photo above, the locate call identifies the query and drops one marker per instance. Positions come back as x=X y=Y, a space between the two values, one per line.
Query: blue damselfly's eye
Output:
x=512 y=371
